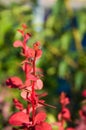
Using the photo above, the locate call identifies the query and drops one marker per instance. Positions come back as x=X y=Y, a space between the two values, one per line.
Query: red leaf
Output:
x=21 y=31
x=31 y=77
x=18 y=44
x=63 y=99
x=24 y=26
x=36 y=45
x=39 y=53
x=40 y=117
x=26 y=95
x=39 y=84
x=27 y=83
x=70 y=128
x=29 y=52
x=59 y=116
x=18 y=119
x=29 y=67
x=43 y=126
x=14 y=82
x=84 y=93
x=27 y=36
x=66 y=114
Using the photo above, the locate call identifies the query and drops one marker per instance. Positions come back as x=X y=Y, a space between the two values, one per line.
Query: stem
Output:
x=62 y=120
x=45 y=104
x=33 y=91
x=33 y=107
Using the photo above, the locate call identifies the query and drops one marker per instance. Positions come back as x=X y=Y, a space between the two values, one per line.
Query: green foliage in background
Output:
x=10 y=20
x=64 y=54
x=63 y=57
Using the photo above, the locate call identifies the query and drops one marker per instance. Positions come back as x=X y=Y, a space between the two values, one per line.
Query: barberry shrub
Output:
x=28 y=118
x=31 y=117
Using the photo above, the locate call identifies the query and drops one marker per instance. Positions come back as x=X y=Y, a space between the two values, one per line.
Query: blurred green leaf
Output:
x=63 y=68
x=79 y=78
x=65 y=41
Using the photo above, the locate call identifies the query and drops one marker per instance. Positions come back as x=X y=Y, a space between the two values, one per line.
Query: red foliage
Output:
x=27 y=117
x=84 y=93
x=22 y=119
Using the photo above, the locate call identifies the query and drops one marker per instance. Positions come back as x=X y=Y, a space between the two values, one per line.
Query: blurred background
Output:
x=60 y=26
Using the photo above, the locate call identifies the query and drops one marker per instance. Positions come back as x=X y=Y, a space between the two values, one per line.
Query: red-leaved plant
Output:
x=64 y=115
x=28 y=118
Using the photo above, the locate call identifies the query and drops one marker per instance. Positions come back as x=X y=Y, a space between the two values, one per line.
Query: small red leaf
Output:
x=66 y=114
x=31 y=77
x=18 y=119
x=14 y=82
x=84 y=93
x=29 y=67
x=39 y=84
x=17 y=44
x=39 y=53
x=40 y=117
x=24 y=26
x=43 y=126
x=25 y=95
x=21 y=31
x=36 y=45
x=27 y=36
x=27 y=83
x=29 y=52
x=70 y=128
